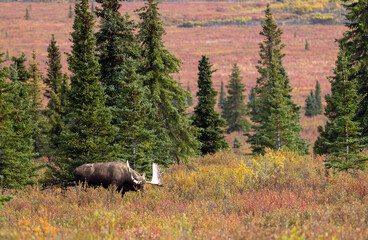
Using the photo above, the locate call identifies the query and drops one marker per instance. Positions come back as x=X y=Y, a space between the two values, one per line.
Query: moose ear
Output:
x=144 y=175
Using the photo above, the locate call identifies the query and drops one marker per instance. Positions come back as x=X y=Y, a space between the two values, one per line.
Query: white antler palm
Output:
x=155 y=175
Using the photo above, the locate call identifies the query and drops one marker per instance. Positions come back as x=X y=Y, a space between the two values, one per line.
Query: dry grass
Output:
x=224 y=196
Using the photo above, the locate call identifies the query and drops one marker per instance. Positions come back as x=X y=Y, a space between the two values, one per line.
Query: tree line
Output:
x=276 y=118
x=120 y=101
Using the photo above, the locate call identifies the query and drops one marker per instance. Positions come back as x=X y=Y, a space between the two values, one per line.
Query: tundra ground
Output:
x=224 y=196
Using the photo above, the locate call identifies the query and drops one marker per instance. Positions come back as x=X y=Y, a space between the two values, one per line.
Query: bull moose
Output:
x=115 y=173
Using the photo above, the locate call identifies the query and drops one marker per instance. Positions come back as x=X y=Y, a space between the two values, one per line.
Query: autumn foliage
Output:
x=279 y=195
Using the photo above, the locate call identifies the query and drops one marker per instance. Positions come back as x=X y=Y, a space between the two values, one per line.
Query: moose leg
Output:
x=118 y=189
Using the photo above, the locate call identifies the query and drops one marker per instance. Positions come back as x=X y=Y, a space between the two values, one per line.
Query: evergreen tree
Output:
x=310 y=105
x=313 y=103
x=346 y=147
x=35 y=78
x=235 y=110
x=179 y=82
x=190 y=97
x=55 y=92
x=54 y=74
x=205 y=117
x=133 y=111
x=92 y=7
x=277 y=118
x=237 y=143
x=318 y=98
x=306 y=45
x=326 y=135
x=119 y=54
x=355 y=42
x=175 y=138
x=27 y=17
x=70 y=15
x=7 y=55
x=55 y=112
x=222 y=98
x=116 y=41
x=87 y=135
x=17 y=167
x=20 y=66
x=252 y=102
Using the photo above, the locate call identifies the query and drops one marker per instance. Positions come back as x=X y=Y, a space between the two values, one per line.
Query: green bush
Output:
x=216 y=22
x=5 y=199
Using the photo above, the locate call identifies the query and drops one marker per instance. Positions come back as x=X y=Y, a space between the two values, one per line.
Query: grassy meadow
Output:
x=223 y=196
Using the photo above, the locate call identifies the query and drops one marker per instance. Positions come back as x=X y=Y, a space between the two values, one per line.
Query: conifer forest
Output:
x=249 y=117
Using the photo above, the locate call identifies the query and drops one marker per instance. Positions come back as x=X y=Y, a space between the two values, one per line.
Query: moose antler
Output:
x=132 y=174
x=155 y=175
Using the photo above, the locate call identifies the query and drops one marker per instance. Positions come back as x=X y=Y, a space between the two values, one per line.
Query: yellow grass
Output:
x=224 y=196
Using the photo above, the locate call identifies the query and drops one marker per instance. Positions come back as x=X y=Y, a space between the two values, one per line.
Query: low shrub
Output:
x=276 y=195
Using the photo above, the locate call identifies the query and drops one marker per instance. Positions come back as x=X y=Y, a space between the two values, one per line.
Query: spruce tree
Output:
x=318 y=98
x=175 y=138
x=7 y=55
x=306 y=45
x=119 y=55
x=326 y=135
x=222 y=97
x=87 y=135
x=20 y=66
x=116 y=41
x=313 y=103
x=70 y=15
x=347 y=145
x=54 y=74
x=27 y=17
x=92 y=7
x=133 y=110
x=355 y=42
x=35 y=79
x=55 y=112
x=190 y=97
x=55 y=87
x=237 y=143
x=310 y=105
x=252 y=102
x=17 y=166
x=277 y=119
x=235 y=109
x=209 y=122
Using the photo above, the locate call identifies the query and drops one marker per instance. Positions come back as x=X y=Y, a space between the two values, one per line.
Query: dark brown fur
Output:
x=109 y=173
